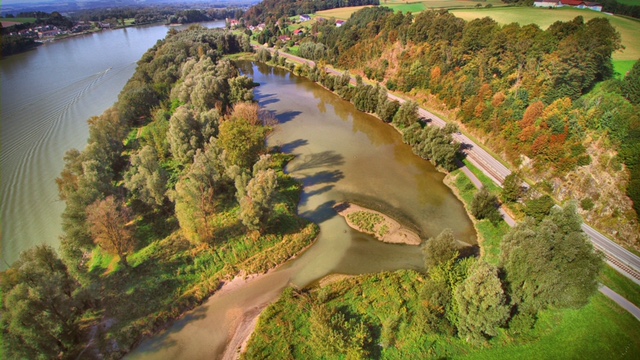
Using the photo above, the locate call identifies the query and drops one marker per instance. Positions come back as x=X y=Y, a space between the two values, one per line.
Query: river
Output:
x=48 y=94
x=341 y=155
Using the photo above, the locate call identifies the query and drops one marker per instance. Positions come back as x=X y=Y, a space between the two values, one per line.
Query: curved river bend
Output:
x=341 y=155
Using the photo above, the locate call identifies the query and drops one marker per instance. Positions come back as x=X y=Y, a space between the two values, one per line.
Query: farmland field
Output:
x=443 y=4
x=418 y=6
x=7 y=22
x=339 y=13
x=629 y=29
x=629 y=2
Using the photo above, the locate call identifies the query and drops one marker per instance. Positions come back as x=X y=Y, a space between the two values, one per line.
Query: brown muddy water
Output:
x=341 y=155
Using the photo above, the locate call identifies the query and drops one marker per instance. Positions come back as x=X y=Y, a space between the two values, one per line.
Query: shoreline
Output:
x=388 y=230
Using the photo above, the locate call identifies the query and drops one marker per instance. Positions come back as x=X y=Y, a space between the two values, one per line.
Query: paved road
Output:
x=620 y=259
x=624 y=303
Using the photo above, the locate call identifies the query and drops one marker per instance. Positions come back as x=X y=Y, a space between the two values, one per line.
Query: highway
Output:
x=620 y=259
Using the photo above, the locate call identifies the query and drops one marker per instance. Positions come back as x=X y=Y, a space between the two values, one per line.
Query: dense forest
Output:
x=174 y=193
x=546 y=100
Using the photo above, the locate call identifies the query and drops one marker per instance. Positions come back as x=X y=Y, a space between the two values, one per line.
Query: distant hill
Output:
x=16 y=6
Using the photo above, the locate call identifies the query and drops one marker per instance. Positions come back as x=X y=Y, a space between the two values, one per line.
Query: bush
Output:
x=539 y=208
x=586 y=204
x=485 y=206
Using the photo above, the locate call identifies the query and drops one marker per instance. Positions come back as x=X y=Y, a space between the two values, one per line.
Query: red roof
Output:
x=577 y=2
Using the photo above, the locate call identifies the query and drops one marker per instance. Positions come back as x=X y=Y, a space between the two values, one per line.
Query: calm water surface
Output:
x=47 y=96
x=342 y=155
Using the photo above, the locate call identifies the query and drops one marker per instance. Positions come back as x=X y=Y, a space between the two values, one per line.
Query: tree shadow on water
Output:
x=322 y=213
x=317 y=160
x=287 y=116
x=312 y=193
x=265 y=102
x=323 y=177
x=292 y=145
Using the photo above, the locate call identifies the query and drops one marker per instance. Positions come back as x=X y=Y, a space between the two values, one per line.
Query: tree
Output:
x=551 y=263
x=482 y=304
x=146 y=177
x=242 y=141
x=185 y=135
x=485 y=206
x=255 y=206
x=407 y=114
x=389 y=110
x=42 y=307
x=194 y=195
x=109 y=225
x=512 y=188
x=440 y=249
x=539 y=208
x=631 y=84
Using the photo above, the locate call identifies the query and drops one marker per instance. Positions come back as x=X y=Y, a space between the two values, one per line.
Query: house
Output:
x=339 y=23
x=298 y=32
x=580 y=4
x=49 y=33
x=284 y=38
x=233 y=23
x=304 y=18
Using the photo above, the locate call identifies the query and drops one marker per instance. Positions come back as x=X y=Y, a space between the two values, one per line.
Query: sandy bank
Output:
x=394 y=232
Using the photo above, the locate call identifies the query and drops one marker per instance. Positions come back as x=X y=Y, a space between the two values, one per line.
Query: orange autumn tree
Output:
x=108 y=222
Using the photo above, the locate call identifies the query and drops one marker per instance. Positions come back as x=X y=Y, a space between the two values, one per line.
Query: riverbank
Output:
x=375 y=223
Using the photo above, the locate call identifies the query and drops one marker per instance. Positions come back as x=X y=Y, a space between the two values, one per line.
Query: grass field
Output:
x=443 y=4
x=629 y=29
x=19 y=20
x=339 y=13
x=620 y=284
x=8 y=22
x=622 y=67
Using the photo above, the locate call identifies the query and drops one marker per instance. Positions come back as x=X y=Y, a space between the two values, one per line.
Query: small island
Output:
x=377 y=224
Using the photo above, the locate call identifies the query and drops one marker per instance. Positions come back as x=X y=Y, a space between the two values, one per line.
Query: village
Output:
x=45 y=33
x=304 y=18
